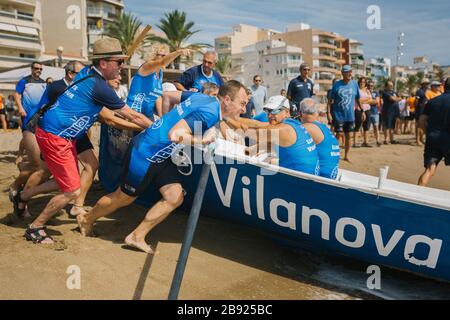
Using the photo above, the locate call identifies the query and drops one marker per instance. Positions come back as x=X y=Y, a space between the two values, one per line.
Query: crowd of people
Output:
x=285 y=126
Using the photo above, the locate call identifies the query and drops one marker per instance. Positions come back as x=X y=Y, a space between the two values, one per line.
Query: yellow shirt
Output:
x=430 y=94
x=411 y=104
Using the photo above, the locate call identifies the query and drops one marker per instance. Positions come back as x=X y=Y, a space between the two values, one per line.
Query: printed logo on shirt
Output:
x=165 y=153
x=346 y=95
x=157 y=124
x=78 y=126
x=137 y=102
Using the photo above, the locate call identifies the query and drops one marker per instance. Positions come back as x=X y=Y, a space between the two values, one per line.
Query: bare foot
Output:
x=85 y=227
x=347 y=159
x=77 y=210
x=130 y=240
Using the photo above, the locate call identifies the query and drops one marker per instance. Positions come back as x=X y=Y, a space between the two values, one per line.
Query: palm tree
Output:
x=381 y=82
x=411 y=82
x=420 y=75
x=177 y=31
x=440 y=74
x=223 y=65
x=125 y=28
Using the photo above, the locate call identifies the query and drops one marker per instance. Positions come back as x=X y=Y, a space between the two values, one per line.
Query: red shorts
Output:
x=61 y=158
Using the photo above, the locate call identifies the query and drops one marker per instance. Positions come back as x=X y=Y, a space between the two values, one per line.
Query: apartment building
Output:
x=323 y=50
x=74 y=25
x=98 y=13
x=242 y=35
x=20 y=33
x=378 y=68
x=354 y=56
x=275 y=61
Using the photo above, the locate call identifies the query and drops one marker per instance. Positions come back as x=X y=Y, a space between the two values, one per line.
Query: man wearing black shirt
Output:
x=300 y=88
x=435 y=120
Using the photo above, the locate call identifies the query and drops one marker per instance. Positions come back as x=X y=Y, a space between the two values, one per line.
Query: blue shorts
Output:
x=374 y=119
x=139 y=173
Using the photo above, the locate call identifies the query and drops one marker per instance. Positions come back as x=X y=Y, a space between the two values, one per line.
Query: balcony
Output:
x=357 y=51
x=358 y=62
x=15 y=16
x=12 y=41
x=118 y=3
x=95 y=12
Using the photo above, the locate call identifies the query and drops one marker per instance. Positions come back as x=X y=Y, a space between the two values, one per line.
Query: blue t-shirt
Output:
x=374 y=107
x=144 y=91
x=329 y=153
x=302 y=155
x=199 y=111
x=262 y=116
x=77 y=109
x=31 y=91
x=344 y=96
x=195 y=78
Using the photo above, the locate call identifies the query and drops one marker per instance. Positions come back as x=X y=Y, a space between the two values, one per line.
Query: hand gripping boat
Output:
x=373 y=219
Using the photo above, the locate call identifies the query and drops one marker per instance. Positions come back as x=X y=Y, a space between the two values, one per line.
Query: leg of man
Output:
x=426 y=176
x=3 y=121
x=105 y=206
x=347 y=144
x=172 y=198
x=31 y=149
x=61 y=158
x=90 y=165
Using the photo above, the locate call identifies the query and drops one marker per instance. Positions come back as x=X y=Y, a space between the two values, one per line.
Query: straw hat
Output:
x=107 y=47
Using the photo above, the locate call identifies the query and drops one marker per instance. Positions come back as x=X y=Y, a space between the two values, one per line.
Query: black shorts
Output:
x=134 y=180
x=412 y=116
x=436 y=150
x=3 y=111
x=358 y=120
x=343 y=126
x=389 y=119
x=418 y=112
x=83 y=144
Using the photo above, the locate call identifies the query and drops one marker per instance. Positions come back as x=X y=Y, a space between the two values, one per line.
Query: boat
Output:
x=373 y=219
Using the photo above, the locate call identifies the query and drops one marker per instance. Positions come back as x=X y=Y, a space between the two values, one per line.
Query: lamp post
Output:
x=400 y=44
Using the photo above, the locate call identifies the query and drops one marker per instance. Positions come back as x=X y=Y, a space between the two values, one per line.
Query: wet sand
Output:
x=227 y=260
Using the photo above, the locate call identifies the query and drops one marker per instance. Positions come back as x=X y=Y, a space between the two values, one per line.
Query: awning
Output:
x=14 y=76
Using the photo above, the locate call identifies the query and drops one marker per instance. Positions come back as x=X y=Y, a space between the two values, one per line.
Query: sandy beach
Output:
x=227 y=261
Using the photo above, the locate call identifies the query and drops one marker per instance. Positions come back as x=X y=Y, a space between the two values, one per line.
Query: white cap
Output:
x=167 y=86
x=277 y=102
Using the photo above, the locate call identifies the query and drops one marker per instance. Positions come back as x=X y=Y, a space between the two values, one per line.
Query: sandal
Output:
x=34 y=235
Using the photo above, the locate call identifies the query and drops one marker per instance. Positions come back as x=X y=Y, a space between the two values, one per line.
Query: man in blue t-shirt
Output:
x=151 y=158
x=29 y=91
x=343 y=97
x=194 y=78
x=69 y=118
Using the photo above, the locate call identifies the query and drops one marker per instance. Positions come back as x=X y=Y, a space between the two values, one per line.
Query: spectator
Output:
x=365 y=98
x=342 y=107
x=193 y=78
x=390 y=112
x=49 y=80
x=434 y=91
x=374 y=117
x=283 y=92
x=259 y=93
x=300 y=88
x=250 y=107
x=29 y=91
x=421 y=100
x=3 y=112
x=435 y=120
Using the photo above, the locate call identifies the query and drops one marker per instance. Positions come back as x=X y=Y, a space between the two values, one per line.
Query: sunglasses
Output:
x=119 y=62
x=40 y=69
x=306 y=69
x=258 y=80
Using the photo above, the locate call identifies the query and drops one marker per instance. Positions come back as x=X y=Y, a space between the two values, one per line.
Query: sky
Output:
x=426 y=24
